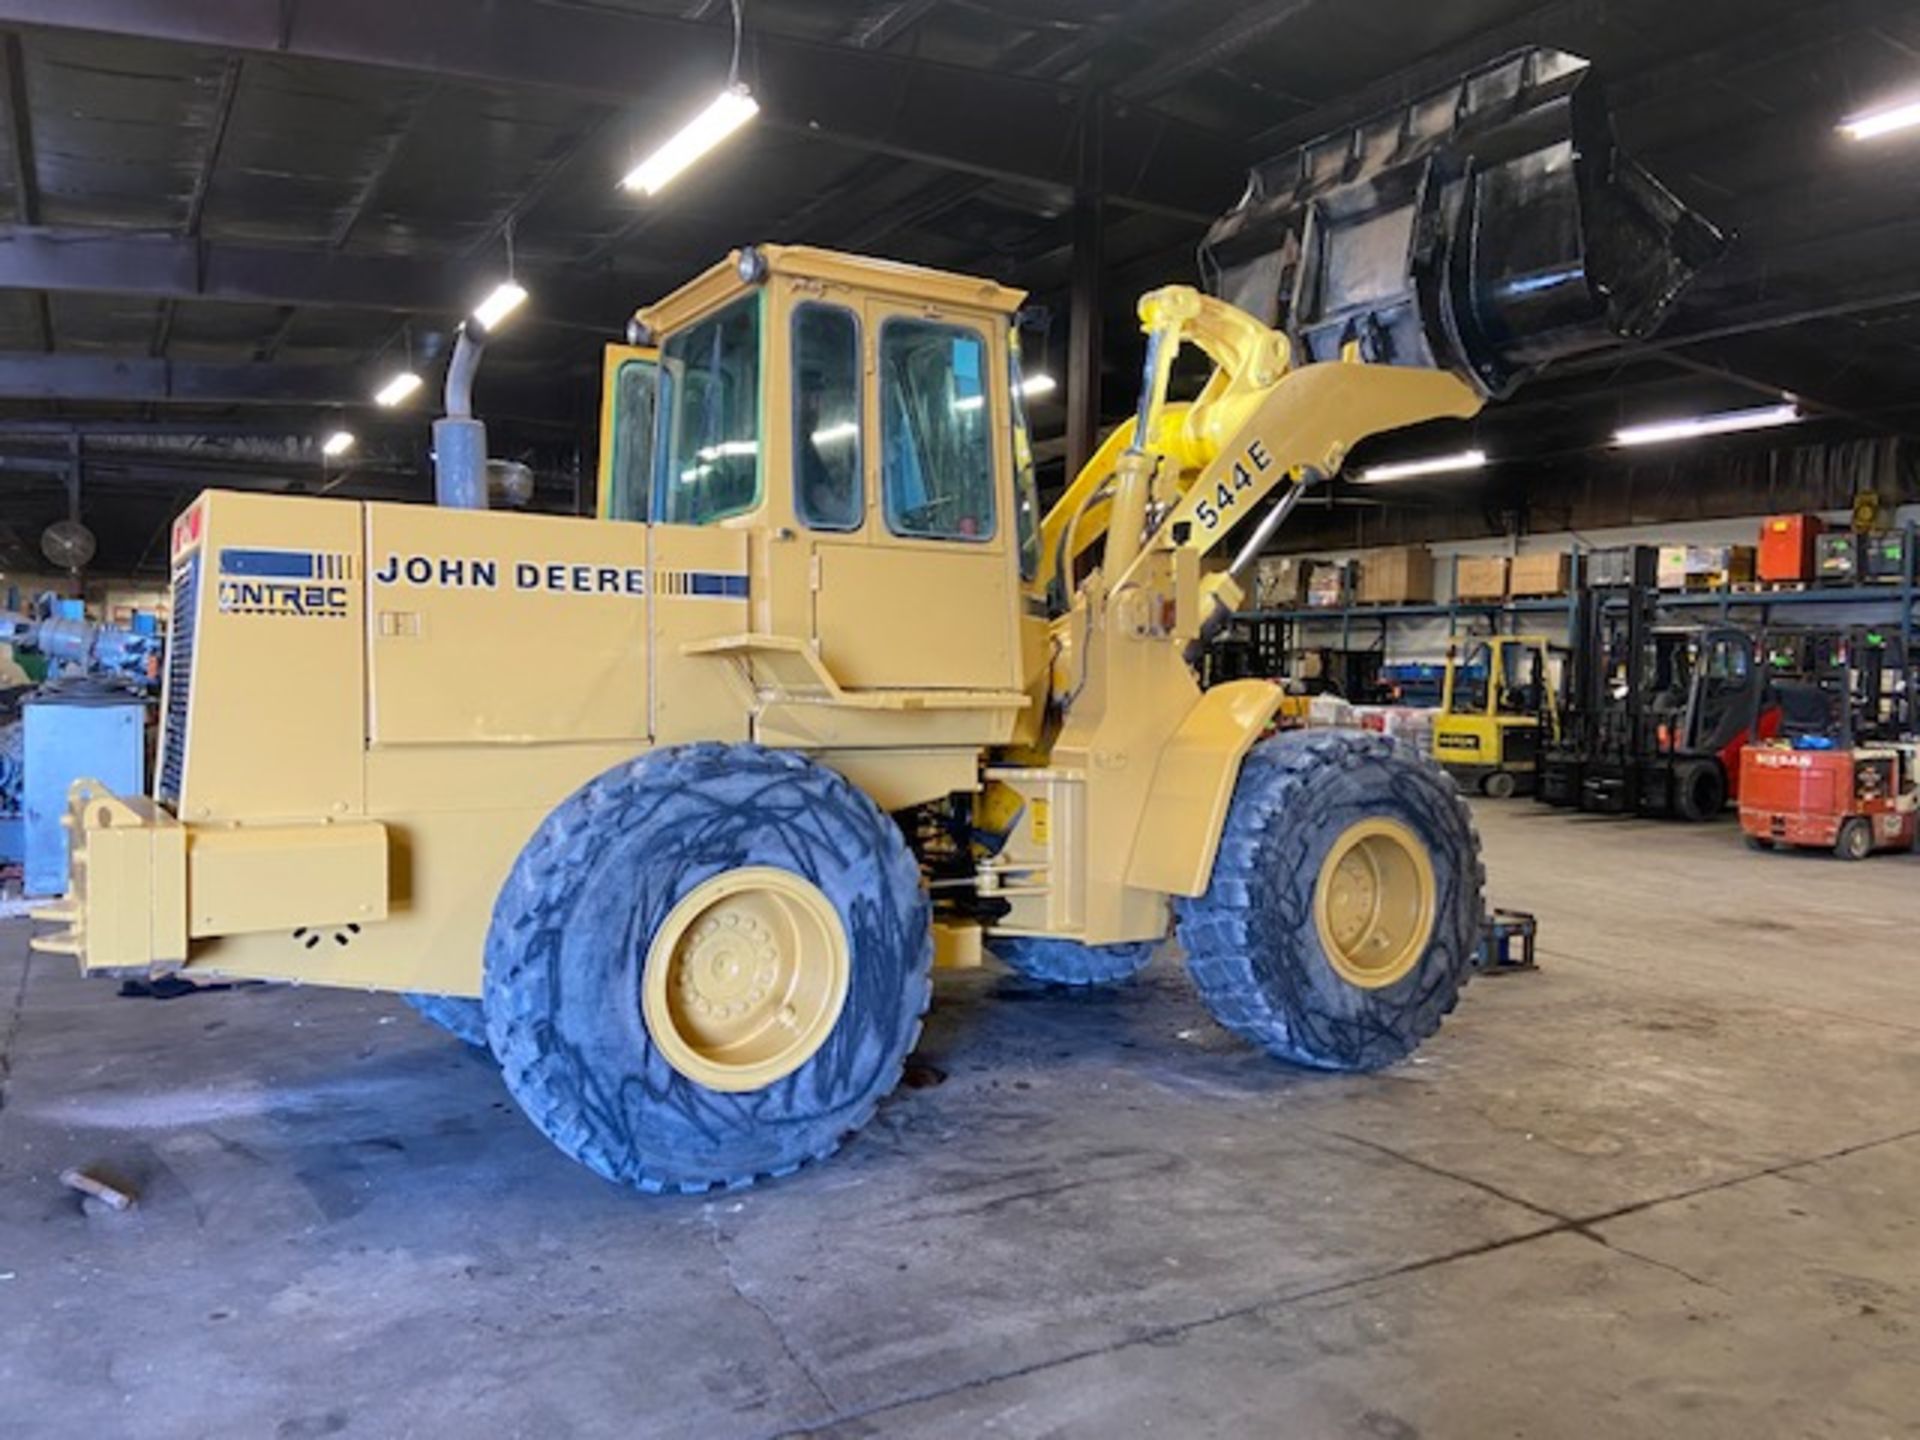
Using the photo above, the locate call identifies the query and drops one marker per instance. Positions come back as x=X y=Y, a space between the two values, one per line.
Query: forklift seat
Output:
x=1806 y=708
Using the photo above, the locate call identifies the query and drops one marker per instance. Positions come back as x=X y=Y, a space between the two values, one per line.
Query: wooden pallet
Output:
x=1769 y=587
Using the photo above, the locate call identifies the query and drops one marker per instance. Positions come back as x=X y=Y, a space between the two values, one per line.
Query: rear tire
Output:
x=1068 y=962
x=1699 y=790
x=1500 y=785
x=1263 y=956
x=1855 y=840
x=465 y=1020
x=605 y=891
x=1759 y=842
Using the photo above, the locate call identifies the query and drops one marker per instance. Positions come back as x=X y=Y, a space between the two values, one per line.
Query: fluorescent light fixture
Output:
x=970 y=402
x=337 y=444
x=396 y=390
x=506 y=298
x=730 y=109
x=834 y=434
x=1730 y=422
x=1438 y=465
x=1876 y=123
x=727 y=447
x=1041 y=384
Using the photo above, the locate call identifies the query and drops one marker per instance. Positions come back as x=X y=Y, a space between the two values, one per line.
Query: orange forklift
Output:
x=1843 y=772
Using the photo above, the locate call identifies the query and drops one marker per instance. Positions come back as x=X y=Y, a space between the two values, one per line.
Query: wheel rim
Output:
x=1374 y=903
x=745 y=979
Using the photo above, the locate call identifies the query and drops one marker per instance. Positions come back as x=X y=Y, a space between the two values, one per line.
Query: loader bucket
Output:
x=1489 y=228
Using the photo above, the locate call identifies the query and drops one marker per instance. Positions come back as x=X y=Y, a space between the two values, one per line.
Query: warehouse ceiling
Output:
x=227 y=221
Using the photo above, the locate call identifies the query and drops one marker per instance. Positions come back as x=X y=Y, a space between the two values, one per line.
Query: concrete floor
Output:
x=1666 y=1186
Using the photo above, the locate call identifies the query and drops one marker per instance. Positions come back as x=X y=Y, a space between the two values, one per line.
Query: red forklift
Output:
x=1843 y=773
x=1657 y=712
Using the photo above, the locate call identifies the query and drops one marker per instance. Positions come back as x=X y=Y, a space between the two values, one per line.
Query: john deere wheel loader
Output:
x=819 y=706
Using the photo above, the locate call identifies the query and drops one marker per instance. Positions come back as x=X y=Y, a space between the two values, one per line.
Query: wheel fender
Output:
x=1179 y=828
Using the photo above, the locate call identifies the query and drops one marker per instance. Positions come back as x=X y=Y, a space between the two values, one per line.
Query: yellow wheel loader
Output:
x=822 y=704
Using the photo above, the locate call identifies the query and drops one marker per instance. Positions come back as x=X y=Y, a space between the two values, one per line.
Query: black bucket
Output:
x=1489 y=228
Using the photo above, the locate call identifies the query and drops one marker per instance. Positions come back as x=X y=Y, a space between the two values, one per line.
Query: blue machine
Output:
x=88 y=720
x=74 y=730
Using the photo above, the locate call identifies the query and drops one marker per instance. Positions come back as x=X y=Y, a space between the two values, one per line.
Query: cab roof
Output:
x=730 y=277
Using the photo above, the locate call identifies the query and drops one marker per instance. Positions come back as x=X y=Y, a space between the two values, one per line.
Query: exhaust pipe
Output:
x=459 y=440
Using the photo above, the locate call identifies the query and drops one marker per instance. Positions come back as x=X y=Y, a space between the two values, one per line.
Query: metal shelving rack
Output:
x=1901 y=597
x=1453 y=611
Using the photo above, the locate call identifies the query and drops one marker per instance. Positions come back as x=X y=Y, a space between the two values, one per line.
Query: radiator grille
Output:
x=173 y=744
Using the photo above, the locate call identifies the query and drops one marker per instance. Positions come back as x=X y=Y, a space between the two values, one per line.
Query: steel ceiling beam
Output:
x=176 y=267
x=1212 y=50
x=26 y=170
x=26 y=375
x=980 y=121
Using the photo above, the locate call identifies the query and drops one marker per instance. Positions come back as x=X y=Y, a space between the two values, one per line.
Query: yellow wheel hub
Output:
x=1373 y=903
x=745 y=979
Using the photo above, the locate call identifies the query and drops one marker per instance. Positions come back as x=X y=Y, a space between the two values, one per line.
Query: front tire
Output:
x=1500 y=785
x=1345 y=907
x=1700 y=790
x=1855 y=840
x=1068 y=962
x=708 y=966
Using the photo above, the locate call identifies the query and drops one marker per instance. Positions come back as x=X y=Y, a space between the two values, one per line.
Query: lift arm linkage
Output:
x=1260 y=423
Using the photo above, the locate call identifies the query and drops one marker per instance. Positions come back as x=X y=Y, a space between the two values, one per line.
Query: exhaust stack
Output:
x=459 y=440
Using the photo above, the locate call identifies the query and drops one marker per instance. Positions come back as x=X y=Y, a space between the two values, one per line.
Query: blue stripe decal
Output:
x=268 y=564
x=715 y=584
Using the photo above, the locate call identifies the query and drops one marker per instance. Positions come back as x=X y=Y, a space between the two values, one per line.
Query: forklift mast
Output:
x=1837 y=686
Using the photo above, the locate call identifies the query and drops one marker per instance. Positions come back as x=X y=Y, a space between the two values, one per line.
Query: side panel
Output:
x=918 y=617
x=702 y=589
x=491 y=627
x=275 y=724
x=1192 y=785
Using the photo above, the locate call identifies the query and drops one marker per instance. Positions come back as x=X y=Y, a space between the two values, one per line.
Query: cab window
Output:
x=935 y=431
x=1026 y=495
x=709 y=466
x=828 y=493
x=631 y=474
x=1470 y=680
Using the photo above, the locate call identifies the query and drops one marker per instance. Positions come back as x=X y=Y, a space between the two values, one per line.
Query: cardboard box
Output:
x=1480 y=577
x=1539 y=574
x=1280 y=583
x=1329 y=588
x=1714 y=567
x=1397 y=577
x=1672 y=573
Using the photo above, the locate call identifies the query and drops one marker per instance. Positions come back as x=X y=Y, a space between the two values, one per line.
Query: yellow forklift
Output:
x=1497 y=701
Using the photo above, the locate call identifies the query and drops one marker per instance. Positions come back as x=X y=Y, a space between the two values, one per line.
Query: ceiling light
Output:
x=396 y=390
x=1438 y=465
x=506 y=298
x=730 y=109
x=1728 y=423
x=1041 y=384
x=337 y=444
x=1882 y=122
x=834 y=434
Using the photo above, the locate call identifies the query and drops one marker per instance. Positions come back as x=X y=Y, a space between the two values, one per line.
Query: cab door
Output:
x=921 y=592
x=629 y=396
